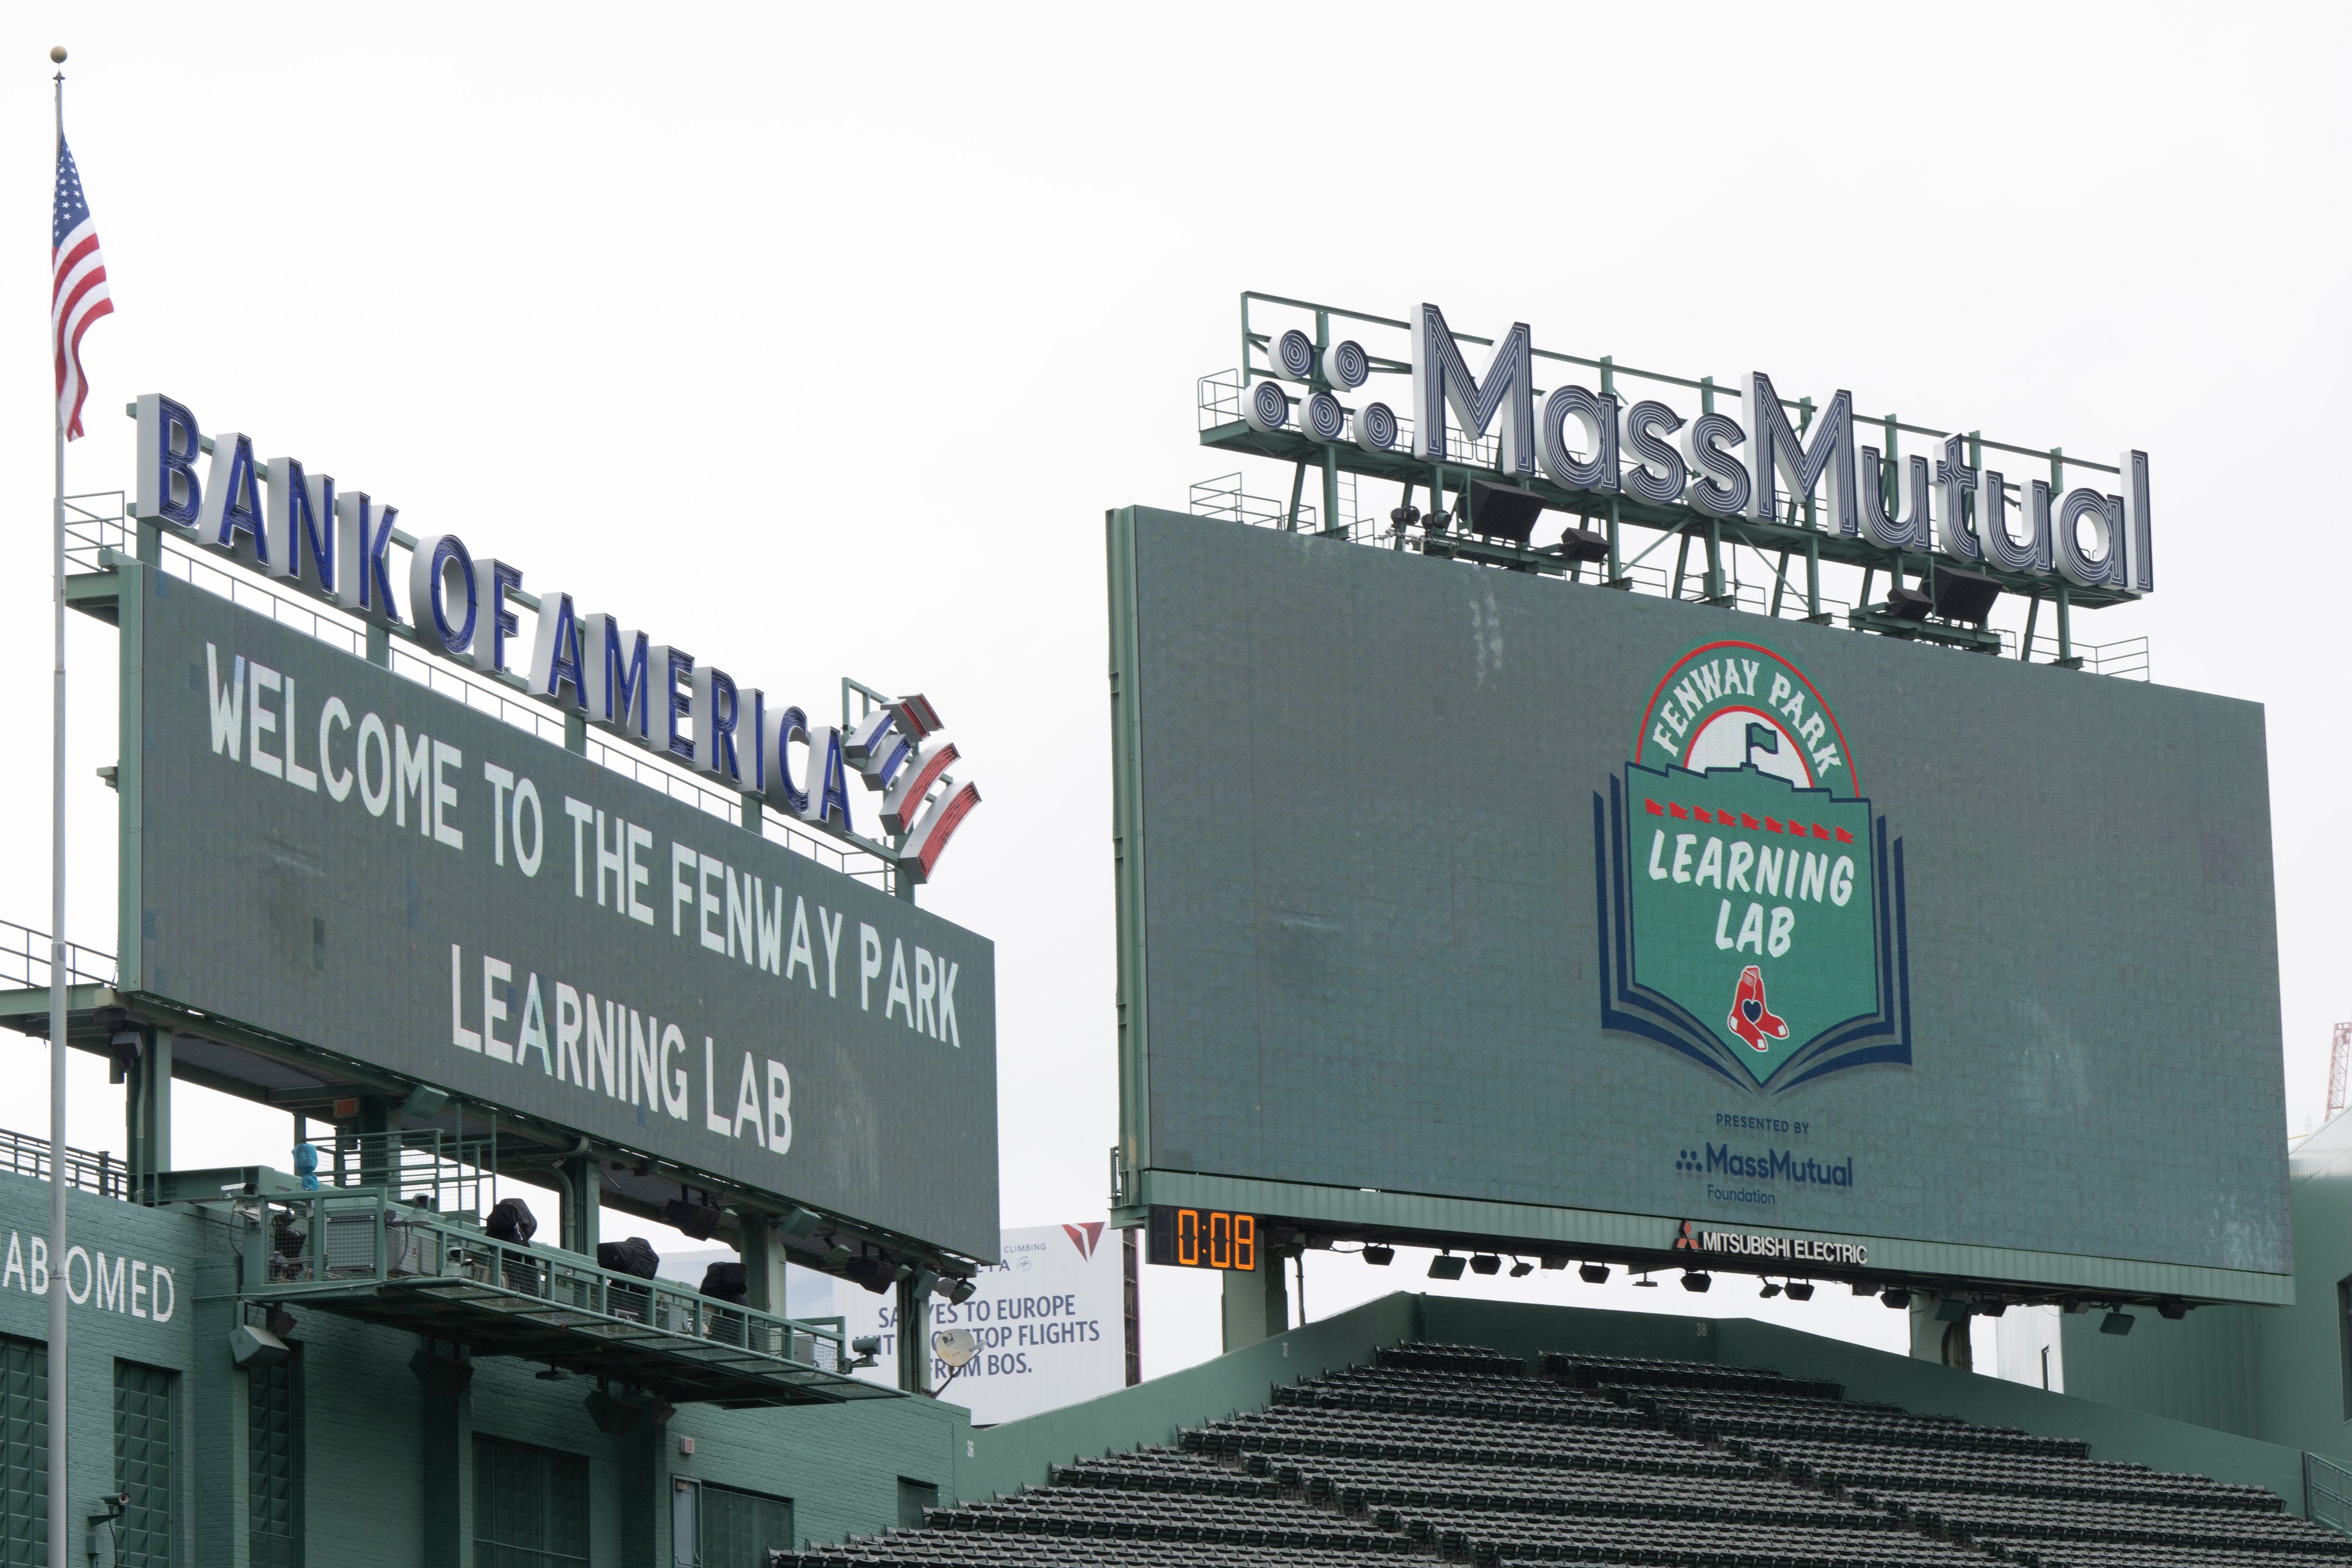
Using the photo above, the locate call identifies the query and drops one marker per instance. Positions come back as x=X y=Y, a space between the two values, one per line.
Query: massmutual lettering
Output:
x=1778 y=1165
x=278 y=518
x=1719 y=467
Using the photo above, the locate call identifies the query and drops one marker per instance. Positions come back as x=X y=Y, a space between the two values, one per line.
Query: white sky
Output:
x=830 y=336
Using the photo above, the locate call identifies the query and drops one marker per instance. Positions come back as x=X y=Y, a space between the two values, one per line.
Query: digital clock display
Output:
x=1204 y=1238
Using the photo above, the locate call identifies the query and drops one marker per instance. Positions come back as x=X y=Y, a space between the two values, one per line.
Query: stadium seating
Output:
x=1461 y=1454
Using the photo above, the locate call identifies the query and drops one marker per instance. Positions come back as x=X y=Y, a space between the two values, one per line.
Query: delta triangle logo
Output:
x=1084 y=1238
x=1741 y=862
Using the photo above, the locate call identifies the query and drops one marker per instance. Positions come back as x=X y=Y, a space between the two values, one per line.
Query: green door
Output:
x=23 y=1453
x=274 y=1463
x=531 y=1506
x=740 y=1528
x=142 y=1464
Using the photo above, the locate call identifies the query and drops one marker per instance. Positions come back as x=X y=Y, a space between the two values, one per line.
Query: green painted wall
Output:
x=1016 y=1454
x=374 y=1430
x=2277 y=1373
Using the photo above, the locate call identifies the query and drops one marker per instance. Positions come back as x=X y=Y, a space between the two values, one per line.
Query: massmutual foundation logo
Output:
x=1751 y=903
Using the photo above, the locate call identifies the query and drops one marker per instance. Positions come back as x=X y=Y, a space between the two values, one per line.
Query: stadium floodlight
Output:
x=2172 y=1309
x=697 y=1220
x=1521 y=1267
x=1583 y=545
x=1446 y=1266
x=1964 y=595
x=1593 y=1273
x=1696 y=1283
x=1991 y=1309
x=1895 y=1297
x=962 y=1292
x=1500 y=512
x=1770 y=1290
x=1801 y=1290
x=1555 y=1261
x=874 y=1274
x=256 y=1347
x=611 y=1416
x=2117 y=1322
x=1951 y=1309
x=1485 y=1264
x=1404 y=517
x=1378 y=1256
x=425 y=1101
x=1908 y=604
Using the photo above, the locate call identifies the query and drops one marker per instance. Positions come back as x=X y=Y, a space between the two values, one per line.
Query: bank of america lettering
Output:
x=1750 y=901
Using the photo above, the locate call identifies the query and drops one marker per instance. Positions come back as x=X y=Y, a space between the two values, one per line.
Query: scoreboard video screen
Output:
x=323 y=851
x=1464 y=900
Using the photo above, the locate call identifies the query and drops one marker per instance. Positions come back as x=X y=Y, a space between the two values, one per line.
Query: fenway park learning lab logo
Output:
x=1752 y=903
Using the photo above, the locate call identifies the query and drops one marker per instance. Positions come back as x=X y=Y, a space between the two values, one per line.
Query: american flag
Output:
x=77 y=294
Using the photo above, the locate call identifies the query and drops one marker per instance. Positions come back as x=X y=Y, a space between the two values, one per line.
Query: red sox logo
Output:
x=1751 y=1021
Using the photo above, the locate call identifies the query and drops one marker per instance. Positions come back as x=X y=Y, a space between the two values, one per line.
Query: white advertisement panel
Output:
x=1050 y=1320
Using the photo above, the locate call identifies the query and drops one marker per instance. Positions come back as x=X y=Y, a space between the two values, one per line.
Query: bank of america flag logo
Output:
x=78 y=295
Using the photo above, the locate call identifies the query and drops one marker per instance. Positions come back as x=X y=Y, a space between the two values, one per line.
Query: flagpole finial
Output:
x=58 y=55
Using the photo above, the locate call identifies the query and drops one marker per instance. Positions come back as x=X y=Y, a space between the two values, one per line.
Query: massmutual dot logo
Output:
x=1751 y=903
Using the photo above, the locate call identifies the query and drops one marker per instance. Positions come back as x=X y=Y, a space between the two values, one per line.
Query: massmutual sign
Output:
x=1752 y=903
x=1587 y=440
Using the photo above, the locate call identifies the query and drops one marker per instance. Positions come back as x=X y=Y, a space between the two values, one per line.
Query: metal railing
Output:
x=1218 y=400
x=25 y=960
x=97 y=529
x=449 y=1170
x=1223 y=498
x=100 y=1174
x=334 y=1242
x=2127 y=659
x=1227 y=498
x=2327 y=1492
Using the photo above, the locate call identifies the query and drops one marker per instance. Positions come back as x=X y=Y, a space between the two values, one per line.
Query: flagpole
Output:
x=59 y=1405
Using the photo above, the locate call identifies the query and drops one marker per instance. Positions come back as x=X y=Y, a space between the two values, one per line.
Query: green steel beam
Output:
x=1128 y=869
x=1647 y=1240
x=1288 y=446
